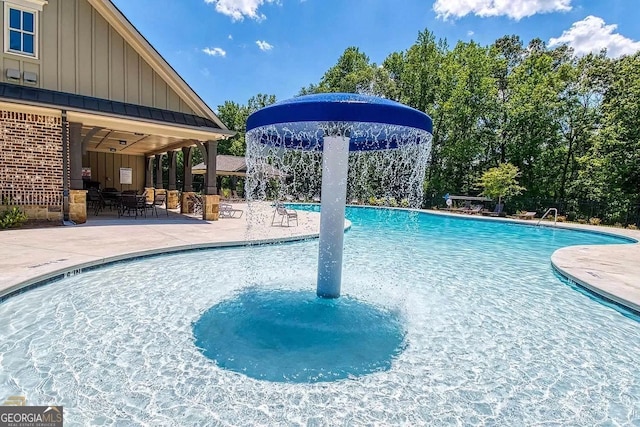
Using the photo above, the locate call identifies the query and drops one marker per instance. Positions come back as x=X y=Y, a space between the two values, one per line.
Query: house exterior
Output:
x=85 y=98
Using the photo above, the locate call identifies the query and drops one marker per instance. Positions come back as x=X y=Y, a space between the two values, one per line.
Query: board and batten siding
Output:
x=105 y=169
x=79 y=52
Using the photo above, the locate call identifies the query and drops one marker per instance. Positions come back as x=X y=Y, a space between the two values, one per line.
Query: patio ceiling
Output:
x=131 y=143
x=139 y=137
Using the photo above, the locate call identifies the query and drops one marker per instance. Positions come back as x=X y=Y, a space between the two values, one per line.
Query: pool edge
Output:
x=55 y=275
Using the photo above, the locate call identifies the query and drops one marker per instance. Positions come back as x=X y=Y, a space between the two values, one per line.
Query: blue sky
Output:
x=235 y=49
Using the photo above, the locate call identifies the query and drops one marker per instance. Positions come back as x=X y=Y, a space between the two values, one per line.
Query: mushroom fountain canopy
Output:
x=372 y=123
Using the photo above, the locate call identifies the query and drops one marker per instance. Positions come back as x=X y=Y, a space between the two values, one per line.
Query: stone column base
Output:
x=185 y=205
x=151 y=194
x=78 y=206
x=210 y=207
x=172 y=199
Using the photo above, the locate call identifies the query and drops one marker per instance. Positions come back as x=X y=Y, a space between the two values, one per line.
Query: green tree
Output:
x=619 y=141
x=352 y=74
x=468 y=98
x=507 y=52
x=235 y=117
x=387 y=79
x=579 y=123
x=501 y=181
x=533 y=112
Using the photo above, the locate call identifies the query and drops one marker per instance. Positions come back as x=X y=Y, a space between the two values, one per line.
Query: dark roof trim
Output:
x=71 y=101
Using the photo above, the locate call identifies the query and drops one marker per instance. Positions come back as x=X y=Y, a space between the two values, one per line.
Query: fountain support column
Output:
x=335 y=166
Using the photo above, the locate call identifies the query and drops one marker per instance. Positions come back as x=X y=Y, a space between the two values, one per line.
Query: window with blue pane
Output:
x=21 y=31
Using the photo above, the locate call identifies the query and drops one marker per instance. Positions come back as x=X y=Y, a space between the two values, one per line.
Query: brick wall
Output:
x=30 y=159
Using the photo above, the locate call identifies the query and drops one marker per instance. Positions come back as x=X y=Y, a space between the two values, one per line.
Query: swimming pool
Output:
x=492 y=334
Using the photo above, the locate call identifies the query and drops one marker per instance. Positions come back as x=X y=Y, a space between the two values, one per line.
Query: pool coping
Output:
x=586 y=266
x=589 y=266
x=30 y=258
x=54 y=275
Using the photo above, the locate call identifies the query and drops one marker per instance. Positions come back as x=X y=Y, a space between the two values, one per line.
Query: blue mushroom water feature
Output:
x=336 y=124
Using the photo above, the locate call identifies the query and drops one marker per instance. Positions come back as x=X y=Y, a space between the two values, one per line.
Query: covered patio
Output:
x=119 y=146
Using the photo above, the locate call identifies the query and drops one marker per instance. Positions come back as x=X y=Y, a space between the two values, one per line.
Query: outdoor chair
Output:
x=228 y=211
x=526 y=215
x=132 y=203
x=158 y=200
x=110 y=197
x=474 y=210
x=94 y=200
x=497 y=211
x=283 y=213
x=196 y=202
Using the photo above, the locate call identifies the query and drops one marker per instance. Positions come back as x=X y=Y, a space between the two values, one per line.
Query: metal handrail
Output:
x=555 y=218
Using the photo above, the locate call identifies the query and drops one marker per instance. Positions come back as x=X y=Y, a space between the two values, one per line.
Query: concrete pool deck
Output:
x=30 y=256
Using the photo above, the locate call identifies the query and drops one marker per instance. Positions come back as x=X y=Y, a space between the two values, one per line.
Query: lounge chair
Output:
x=196 y=202
x=228 y=211
x=497 y=211
x=284 y=213
x=474 y=210
x=526 y=215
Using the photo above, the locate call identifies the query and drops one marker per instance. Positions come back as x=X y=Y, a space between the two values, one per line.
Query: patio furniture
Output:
x=132 y=203
x=94 y=200
x=284 y=213
x=497 y=211
x=196 y=201
x=526 y=215
x=110 y=198
x=474 y=210
x=158 y=200
x=228 y=211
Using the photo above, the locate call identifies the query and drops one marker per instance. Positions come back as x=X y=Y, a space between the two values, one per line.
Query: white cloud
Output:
x=214 y=51
x=263 y=45
x=515 y=9
x=470 y=33
x=592 y=35
x=230 y=37
x=239 y=9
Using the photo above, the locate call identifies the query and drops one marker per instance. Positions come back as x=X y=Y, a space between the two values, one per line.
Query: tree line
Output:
x=571 y=125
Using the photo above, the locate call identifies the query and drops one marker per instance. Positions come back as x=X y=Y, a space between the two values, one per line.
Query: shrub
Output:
x=595 y=221
x=12 y=218
x=562 y=218
x=373 y=201
x=632 y=227
x=582 y=221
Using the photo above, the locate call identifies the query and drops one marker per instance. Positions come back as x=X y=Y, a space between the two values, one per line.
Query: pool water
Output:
x=491 y=335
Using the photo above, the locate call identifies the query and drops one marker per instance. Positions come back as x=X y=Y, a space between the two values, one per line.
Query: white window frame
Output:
x=23 y=6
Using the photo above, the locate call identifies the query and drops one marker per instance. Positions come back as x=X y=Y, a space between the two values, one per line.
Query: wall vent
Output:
x=30 y=77
x=13 y=74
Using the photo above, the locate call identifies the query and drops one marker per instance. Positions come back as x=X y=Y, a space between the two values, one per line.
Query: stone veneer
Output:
x=31 y=162
x=210 y=207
